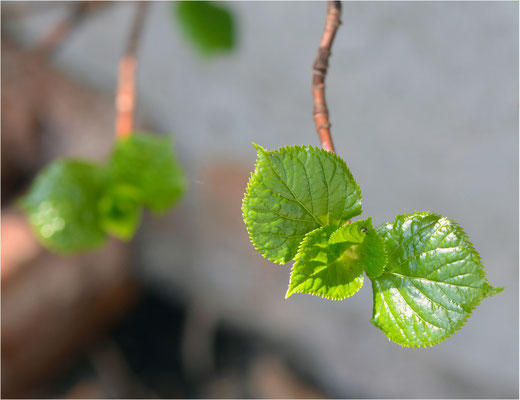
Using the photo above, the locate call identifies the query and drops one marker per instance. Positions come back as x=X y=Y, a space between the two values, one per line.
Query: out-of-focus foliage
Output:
x=62 y=205
x=120 y=210
x=210 y=27
x=147 y=164
x=71 y=204
x=426 y=275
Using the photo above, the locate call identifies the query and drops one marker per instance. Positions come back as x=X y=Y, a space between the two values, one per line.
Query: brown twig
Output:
x=59 y=32
x=20 y=10
x=319 y=71
x=125 y=98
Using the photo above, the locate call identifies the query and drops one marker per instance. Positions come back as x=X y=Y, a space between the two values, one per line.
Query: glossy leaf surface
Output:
x=433 y=280
x=62 y=206
x=293 y=191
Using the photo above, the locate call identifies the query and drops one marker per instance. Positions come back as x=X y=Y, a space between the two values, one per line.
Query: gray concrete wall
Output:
x=423 y=100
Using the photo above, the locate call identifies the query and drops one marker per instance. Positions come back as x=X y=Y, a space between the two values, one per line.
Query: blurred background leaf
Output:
x=71 y=203
x=210 y=27
x=62 y=205
x=120 y=211
x=147 y=163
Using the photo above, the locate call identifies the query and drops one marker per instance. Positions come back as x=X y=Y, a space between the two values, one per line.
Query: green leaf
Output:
x=433 y=280
x=351 y=233
x=147 y=163
x=120 y=211
x=331 y=260
x=209 y=26
x=62 y=206
x=329 y=270
x=293 y=191
x=372 y=254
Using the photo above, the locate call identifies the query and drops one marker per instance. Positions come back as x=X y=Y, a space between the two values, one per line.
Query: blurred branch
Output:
x=13 y=11
x=319 y=72
x=61 y=30
x=125 y=98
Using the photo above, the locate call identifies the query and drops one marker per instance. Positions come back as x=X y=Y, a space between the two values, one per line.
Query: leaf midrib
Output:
x=426 y=280
x=412 y=236
x=292 y=193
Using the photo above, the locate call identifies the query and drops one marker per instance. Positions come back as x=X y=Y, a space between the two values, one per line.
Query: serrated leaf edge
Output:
x=342 y=226
x=385 y=256
x=333 y=156
x=296 y=259
x=471 y=308
x=247 y=194
x=435 y=342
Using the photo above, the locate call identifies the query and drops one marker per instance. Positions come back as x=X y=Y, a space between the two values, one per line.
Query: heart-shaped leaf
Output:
x=433 y=280
x=293 y=191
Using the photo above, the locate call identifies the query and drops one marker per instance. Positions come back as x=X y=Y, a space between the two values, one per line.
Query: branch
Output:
x=59 y=32
x=14 y=12
x=125 y=97
x=319 y=71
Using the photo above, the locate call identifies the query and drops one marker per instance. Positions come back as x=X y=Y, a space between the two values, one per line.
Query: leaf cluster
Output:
x=426 y=276
x=72 y=205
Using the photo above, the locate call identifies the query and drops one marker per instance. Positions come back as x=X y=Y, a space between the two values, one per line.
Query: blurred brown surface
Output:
x=20 y=142
x=53 y=306
x=87 y=389
x=45 y=115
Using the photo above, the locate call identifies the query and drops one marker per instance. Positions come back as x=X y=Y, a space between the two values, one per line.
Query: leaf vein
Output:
x=430 y=280
x=281 y=215
x=434 y=301
x=447 y=265
x=328 y=189
x=428 y=251
x=387 y=303
x=415 y=311
x=308 y=181
x=289 y=189
x=411 y=237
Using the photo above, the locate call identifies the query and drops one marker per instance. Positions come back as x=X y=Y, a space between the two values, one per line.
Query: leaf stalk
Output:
x=319 y=72
x=125 y=97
